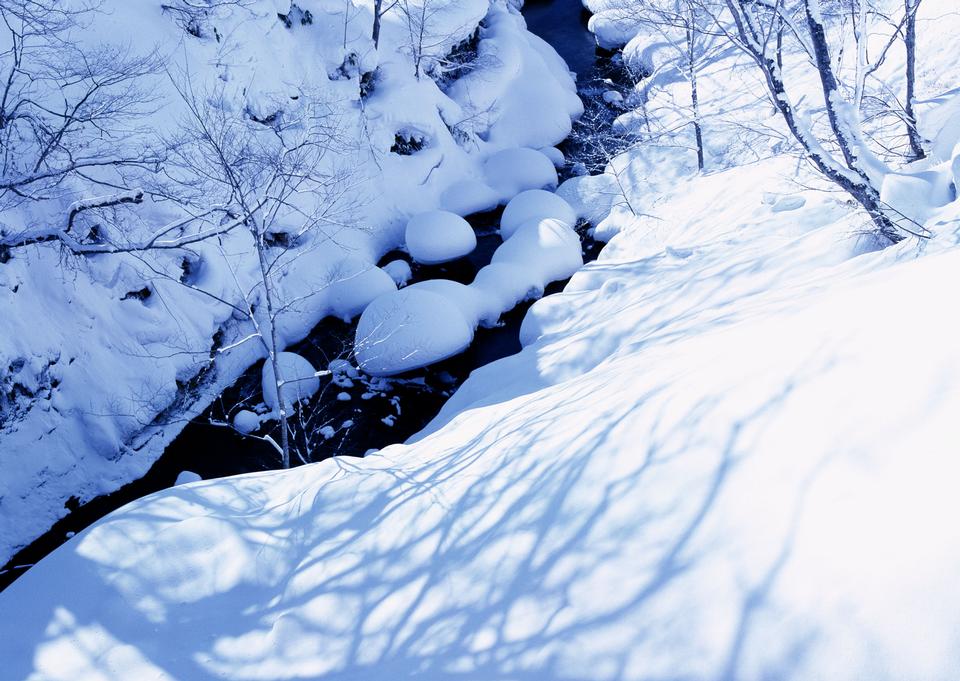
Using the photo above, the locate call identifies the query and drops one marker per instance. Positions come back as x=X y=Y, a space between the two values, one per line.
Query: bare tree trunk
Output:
x=851 y=178
x=694 y=95
x=377 y=16
x=910 y=44
x=272 y=349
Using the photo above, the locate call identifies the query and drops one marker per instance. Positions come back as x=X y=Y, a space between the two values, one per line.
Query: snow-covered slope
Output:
x=726 y=451
x=103 y=359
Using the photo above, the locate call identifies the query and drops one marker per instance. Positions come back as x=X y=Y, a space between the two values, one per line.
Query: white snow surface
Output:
x=727 y=451
x=439 y=236
x=92 y=374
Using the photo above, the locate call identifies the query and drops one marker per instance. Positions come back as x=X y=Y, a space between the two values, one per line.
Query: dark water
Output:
x=377 y=412
x=563 y=24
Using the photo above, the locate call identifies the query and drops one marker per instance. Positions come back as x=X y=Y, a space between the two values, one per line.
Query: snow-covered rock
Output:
x=186 y=477
x=544 y=250
x=246 y=421
x=299 y=378
x=439 y=236
x=409 y=329
x=512 y=171
x=534 y=204
x=399 y=271
x=468 y=196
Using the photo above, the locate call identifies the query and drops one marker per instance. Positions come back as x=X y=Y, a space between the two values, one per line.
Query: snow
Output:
x=546 y=250
x=468 y=196
x=399 y=271
x=101 y=369
x=918 y=194
x=680 y=476
x=186 y=477
x=246 y=421
x=398 y=332
x=534 y=204
x=512 y=171
x=439 y=236
x=726 y=451
x=408 y=329
x=299 y=378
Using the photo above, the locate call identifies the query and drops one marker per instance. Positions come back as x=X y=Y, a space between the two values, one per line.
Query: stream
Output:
x=354 y=414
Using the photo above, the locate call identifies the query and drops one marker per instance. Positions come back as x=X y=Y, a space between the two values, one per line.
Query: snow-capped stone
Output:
x=512 y=171
x=409 y=329
x=543 y=251
x=246 y=421
x=299 y=380
x=439 y=236
x=467 y=197
x=186 y=477
x=399 y=271
x=534 y=204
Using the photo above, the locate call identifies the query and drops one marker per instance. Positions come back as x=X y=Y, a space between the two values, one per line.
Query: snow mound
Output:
x=186 y=477
x=534 y=204
x=409 y=329
x=246 y=421
x=399 y=271
x=299 y=378
x=543 y=250
x=512 y=171
x=439 y=236
x=467 y=197
x=917 y=195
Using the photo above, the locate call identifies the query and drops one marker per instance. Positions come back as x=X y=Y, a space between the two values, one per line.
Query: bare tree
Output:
x=68 y=114
x=910 y=8
x=379 y=11
x=285 y=183
x=840 y=152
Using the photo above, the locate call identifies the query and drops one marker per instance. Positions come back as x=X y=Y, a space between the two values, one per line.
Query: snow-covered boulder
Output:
x=543 y=251
x=512 y=171
x=246 y=421
x=186 y=477
x=439 y=236
x=299 y=378
x=534 y=204
x=399 y=271
x=468 y=196
x=409 y=329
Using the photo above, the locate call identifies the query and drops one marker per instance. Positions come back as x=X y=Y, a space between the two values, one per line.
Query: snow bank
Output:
x=439 y=236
